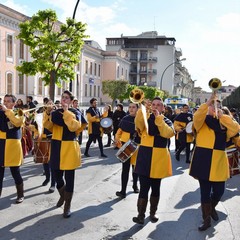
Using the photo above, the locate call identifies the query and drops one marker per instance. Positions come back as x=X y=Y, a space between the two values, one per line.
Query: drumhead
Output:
x=189 y=127
x=231 y=150
x=106 y=122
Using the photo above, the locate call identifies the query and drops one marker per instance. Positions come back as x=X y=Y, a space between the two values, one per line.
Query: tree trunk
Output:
x=52 y=85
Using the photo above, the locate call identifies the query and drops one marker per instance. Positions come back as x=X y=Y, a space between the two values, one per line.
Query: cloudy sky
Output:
x=207 y=31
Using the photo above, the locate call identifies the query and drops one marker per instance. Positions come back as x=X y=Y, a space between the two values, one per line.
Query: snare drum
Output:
x=41 y=150
x=233 y=160
x=126 y=151
x=106 y=123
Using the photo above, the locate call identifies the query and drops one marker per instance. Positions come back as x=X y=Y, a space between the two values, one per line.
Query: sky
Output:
x=207 y=31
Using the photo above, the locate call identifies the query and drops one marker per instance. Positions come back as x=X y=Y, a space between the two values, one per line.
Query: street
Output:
x=97 y=213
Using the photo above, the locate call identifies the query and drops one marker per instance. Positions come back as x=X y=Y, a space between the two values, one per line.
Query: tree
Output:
x=55 y=47
x=114 y=89
x=149 y=92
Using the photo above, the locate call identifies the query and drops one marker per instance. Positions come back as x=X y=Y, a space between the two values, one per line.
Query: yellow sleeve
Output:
x=200 y=116
x=91 y=118
x=47 y=123
x=178 y=126
x=231 y=125
x=16 y=120
x=118 y=135
x=165 y=130
x=70 y=120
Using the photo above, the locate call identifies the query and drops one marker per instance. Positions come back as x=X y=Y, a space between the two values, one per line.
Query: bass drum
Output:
x=106 y=123
x=126 y=151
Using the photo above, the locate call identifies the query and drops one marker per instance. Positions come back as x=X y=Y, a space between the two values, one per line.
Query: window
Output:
x=91 y=68
x=20 y=84
x=94 y=90
x=21 y=49
x=40 y=87
x=86 y=90
x=99 y=70
x=9 y=45
x=86 y=66
x=98 y=91
x=9 y=83
x=90 y=94
x=95 y=69
x=117 y=72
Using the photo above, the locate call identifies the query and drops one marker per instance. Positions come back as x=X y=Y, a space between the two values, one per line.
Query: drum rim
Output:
x=231 y=150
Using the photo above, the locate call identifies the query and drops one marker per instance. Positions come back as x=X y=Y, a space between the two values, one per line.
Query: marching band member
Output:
x=185 y=139
x=11 y=154
x=125 y=132
x=95 y=131
x=65 y=154
x=209 y=161
x=153 y=159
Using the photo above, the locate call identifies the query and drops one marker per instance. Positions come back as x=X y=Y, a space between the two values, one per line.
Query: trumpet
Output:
x=215 y=84
x=137 y=96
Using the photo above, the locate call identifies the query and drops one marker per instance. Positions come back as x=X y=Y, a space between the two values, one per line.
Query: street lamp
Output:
x=167 y=68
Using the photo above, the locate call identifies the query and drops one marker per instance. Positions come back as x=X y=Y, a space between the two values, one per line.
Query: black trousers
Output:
x=69 y=176
x=15 y=171
x=49 y=172
x=146 y=183
x=211 y=190
x=125 y=176
x=91 y=138
x=182 y=146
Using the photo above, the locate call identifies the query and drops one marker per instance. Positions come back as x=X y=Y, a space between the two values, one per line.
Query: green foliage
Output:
x=114 y=88
x=55 y=47
x=149 y=92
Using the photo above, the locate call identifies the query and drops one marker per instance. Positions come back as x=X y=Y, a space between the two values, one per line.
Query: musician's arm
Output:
x=70 y=120
x=16 y=120
x=165 y=130
x=200 y=116
x=178 y=126
x=47 y=123
x=231 y=125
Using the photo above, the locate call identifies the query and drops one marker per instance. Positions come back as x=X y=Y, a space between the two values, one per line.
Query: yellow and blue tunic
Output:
x=209 y=160
x=126 y=132
x=65 y=127
x=94 y=122
x=153 y=159
x=180 y=123
x=11 y=154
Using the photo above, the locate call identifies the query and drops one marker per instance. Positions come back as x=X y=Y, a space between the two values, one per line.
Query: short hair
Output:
x=157 y=98
x=57 y=102
x=30 y=97
x=92 y=100
x=185 y=105
x=120 y=105
x=14 y=99
x=69 y=94
x=46 y=100
x=233 y=110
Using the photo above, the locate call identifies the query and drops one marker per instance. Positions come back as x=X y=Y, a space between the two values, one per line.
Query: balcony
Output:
x=152 y=59
x=152 y=71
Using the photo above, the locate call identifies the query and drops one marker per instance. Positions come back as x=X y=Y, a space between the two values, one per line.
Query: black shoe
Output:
x=86 y=155
x=135 y=189
x=120 y=194
x=51 y=189
x=107 y=145
x=177 y=157
x=103 y=155
x=45 y=183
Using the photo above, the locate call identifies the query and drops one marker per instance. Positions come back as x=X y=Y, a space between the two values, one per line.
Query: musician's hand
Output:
x=219 y=113
x=3 y=107
x=155 y=112
x=65 y=107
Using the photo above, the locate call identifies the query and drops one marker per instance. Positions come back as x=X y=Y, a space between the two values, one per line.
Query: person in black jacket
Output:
x=109 y=134
x=117 y=116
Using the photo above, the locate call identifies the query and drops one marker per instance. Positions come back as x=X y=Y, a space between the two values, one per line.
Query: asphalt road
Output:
x=97 y=214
